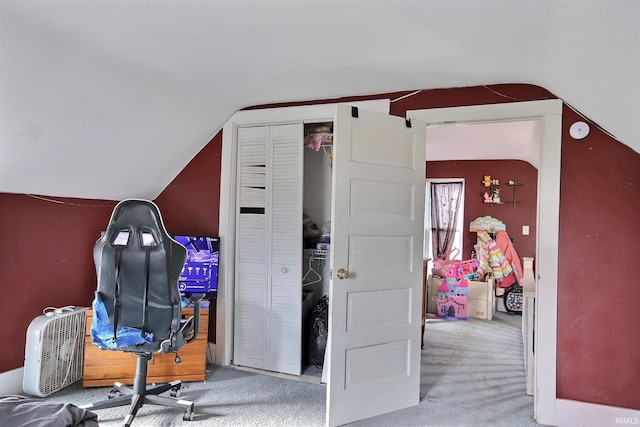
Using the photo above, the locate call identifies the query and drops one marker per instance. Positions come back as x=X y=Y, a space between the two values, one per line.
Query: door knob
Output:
x=342 y=274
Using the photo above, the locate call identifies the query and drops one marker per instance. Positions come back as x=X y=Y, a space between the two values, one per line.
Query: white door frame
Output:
x=550 y=113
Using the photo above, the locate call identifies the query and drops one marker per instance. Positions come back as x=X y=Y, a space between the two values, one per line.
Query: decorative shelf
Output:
x=493 y=186
x=493 y=192
x=515 y=184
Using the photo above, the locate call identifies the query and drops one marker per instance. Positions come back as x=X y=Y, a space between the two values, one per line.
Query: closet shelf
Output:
x=319 y=254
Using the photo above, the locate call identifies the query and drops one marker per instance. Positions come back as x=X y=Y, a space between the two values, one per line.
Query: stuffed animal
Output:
x=487 y=197
x=496 y=195
x=487 y=180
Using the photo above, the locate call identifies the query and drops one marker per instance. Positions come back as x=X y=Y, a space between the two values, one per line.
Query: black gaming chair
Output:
x=137 y=306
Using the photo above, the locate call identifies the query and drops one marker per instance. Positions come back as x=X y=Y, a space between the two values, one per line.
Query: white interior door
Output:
x=377 y=237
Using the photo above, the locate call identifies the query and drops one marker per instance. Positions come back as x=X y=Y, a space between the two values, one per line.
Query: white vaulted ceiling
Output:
x=111 y=99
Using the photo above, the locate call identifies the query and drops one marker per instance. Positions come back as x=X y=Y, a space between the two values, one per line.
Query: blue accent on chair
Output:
x=102 y=331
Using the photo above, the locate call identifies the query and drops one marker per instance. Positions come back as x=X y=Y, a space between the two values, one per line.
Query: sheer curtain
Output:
x=445 y=206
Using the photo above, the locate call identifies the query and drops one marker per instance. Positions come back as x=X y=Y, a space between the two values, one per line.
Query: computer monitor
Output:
x=200 y=271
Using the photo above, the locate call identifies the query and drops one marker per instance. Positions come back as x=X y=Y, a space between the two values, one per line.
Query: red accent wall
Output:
x=598 y=285
x=46 y=247
x=598 y=341
x=514 y=217
x=190 y=204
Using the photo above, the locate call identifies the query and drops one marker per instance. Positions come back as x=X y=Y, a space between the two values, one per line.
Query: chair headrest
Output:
x=136 y=222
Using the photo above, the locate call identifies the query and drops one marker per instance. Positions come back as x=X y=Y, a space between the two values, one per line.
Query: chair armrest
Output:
x=195 y=300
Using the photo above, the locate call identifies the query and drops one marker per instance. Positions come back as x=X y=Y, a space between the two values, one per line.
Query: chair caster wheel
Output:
x=188 y=416
x=113 y=394
x=175 y=390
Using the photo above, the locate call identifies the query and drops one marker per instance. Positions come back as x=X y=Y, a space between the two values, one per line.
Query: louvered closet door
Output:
x=285 y=305
x=268 y=295
x=251 y=248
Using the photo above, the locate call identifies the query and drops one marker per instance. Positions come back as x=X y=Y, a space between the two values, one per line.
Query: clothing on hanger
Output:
x=504 y=242
x=492 y=259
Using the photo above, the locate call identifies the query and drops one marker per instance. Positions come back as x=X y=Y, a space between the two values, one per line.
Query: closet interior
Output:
x=283 y=245
x=318 y=158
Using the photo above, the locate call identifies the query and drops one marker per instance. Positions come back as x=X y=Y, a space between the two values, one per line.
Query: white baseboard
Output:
x=11 y=382
x=571 y=413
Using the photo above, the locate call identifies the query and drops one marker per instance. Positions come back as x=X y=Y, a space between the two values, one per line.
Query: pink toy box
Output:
x=452 y=297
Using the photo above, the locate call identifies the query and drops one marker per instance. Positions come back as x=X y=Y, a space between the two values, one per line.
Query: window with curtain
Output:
x=446 y=217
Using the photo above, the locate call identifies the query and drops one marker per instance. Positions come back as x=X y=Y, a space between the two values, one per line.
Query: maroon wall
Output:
x=46 y=249
x=190 y=204
x=514 y=217
x=598 y=286
x=598 y=342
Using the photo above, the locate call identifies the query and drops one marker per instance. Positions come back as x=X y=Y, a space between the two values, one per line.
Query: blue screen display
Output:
x=200 y=271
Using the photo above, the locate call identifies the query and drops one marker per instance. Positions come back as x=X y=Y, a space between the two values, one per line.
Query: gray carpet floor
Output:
x=472 y=374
